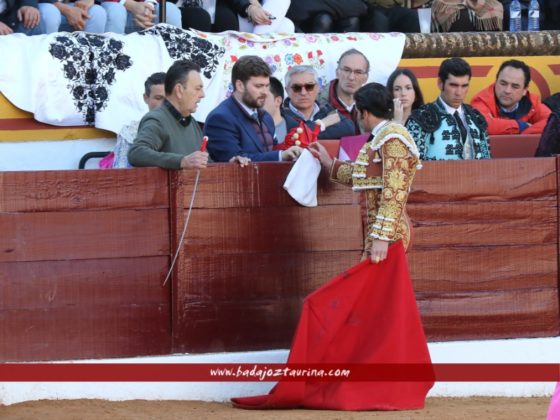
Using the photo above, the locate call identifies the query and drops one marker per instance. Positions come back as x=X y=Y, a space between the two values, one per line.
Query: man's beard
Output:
x=251 y=102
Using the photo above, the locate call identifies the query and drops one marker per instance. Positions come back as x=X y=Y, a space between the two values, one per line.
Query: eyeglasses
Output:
x=347 y=71
x=308 y=87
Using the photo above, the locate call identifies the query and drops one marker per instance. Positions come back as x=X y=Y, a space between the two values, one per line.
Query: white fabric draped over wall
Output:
x=79 y=78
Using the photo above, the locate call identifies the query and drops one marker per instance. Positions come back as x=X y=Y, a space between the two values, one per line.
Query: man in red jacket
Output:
x=507 y=105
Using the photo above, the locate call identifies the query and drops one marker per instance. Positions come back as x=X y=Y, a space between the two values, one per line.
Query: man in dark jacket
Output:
x=302 y=85
x=351 y=74
x=239 y=126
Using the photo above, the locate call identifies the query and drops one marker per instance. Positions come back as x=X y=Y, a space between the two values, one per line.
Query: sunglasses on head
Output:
x=308 y=87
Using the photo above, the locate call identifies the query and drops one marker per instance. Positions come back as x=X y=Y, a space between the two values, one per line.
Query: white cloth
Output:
x=301 y=182
x=77 y=67
x=125 y=102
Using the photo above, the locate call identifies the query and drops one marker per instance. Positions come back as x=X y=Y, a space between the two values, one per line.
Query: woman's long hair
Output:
x=418 y=97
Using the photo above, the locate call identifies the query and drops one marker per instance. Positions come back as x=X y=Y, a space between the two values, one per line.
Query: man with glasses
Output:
x=351 y=74
x=239 y=125
x=302 y=84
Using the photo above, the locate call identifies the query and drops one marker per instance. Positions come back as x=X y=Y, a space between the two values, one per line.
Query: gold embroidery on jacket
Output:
x=384 y=169
x=397 y=176
x=341 y=172
x=344 y=173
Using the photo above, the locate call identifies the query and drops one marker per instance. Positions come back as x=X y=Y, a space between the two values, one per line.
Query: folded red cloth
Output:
x=368 y=315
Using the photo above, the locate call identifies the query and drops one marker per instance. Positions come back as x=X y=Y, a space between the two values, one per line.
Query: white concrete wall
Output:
x=542 y=350
x=49 y=154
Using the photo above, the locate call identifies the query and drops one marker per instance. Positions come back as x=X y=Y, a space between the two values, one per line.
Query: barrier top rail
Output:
x=481 y=44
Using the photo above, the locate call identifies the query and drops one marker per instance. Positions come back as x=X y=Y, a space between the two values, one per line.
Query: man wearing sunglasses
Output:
x=239 y=126
x=351 y=74
x=302 y=84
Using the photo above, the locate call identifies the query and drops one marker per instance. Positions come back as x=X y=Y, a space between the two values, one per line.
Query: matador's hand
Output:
x=379 y=250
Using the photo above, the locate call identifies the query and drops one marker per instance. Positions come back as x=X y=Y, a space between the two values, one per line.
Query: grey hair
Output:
x=298 y=70
x=354 y=51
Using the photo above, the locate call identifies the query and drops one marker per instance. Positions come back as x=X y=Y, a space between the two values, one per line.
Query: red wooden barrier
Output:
x=83 y=255
x=252 y=254
x=514 y=145
x=485 y=260
x=484 y=263
x=82 y=258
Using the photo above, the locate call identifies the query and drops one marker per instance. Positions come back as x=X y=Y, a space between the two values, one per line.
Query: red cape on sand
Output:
x=368 y=314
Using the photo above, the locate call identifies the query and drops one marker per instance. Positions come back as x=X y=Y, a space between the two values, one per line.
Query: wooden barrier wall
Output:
x=485 y=258
x=83 y=256
x=253 y=254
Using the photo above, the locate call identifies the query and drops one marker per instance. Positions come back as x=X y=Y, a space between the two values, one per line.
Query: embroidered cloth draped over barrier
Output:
x=368 y=314
x=97 y=79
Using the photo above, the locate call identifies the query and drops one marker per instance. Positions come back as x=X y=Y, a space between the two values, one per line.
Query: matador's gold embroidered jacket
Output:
x=384 y=170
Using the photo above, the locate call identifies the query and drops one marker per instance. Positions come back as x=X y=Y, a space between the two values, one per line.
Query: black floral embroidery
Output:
x=477 y=117
x=58 y=51
x=89 y=62
x=78 y=92
x=101 y=94
x=428 y=117
x=122 y=61
x=110 y=76
x=181 y=44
